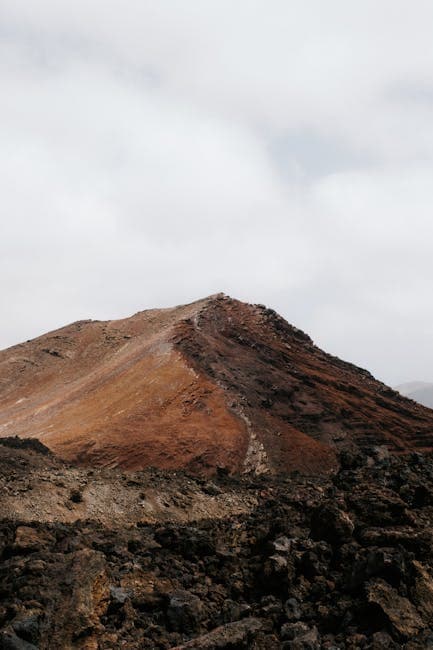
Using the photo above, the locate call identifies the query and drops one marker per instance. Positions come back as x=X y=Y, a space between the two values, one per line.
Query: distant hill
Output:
x=420 y=391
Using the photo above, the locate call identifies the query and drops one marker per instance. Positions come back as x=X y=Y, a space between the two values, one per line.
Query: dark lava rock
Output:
x=400 y=613
x=27 y=628
x=9 y=641
x=32 y=444
x=331 y=524
x=341 y=563
x=292 y=610
x=185 y=612
x=306 y=640
x=238 y=635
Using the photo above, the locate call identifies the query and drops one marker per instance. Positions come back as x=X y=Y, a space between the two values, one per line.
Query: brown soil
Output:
x=214 y=383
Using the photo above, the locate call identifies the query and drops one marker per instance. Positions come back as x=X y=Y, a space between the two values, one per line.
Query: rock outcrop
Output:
x=217 y=383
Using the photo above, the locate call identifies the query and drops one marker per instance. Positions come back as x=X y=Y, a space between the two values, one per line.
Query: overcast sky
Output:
x=152 y=153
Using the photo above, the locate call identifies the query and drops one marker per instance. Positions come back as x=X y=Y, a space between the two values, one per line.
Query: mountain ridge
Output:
x=215 y=383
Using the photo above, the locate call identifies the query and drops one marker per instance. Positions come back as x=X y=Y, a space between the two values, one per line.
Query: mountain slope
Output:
x=214 y=383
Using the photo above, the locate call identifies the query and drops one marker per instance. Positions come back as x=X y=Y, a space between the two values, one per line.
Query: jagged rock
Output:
x=422 y=592
x=27 y=627
x=290 y=631
x=185 y=612
x=276 y=564
x=382 y=641
x=315 y=561
x=9 y=641
x=78 y=610
x=281 y=545
x=331 y=524
x=30 y=539
x=388 y=563
x=379 y=506
x=271 y=606
x=353 y=642
x=25 y=443
x=309 y=640
x=400 y=612
x=239 y=635
x=292 y=609
x=176 y=579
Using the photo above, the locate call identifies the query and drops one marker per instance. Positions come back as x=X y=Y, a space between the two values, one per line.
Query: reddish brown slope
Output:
x=282 y=379
x=119 y=393
x=217 y=382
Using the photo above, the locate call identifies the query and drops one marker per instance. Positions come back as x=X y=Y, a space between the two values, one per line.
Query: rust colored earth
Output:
x=217 y=383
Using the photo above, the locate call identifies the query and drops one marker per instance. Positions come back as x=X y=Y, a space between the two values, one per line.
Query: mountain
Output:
x=420 y=391
x=216 y=383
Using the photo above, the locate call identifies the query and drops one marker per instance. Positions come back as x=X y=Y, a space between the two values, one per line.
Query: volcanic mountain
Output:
x=216 y=383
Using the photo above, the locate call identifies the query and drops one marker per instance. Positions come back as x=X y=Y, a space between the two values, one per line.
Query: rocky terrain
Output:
x=217 y=383
x=249 y=562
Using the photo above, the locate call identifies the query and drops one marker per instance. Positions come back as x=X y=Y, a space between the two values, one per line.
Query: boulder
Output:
x=332 y=524
x=185 y=612
x=399 y=611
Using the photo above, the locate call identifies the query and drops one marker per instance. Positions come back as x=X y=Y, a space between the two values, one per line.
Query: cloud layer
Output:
x=155 y=152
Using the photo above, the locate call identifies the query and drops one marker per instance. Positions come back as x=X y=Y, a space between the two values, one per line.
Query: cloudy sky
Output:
x=153 y=152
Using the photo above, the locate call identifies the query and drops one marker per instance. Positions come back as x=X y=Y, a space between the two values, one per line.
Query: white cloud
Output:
x=153 y=152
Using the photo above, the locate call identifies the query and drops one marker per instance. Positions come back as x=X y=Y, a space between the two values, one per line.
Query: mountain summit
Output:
x=216 y=383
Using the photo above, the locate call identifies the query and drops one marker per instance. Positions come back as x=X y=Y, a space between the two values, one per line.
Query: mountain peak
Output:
x=216 y=382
